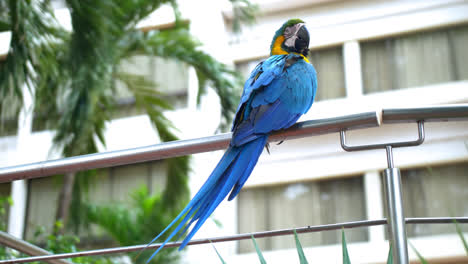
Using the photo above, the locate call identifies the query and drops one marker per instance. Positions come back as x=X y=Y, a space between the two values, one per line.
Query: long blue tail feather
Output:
x=222 y=191
x=257 y=150
x=230 y=174
x=204 y=205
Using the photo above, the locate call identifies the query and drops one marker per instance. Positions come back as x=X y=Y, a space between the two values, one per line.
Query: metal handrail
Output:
x=456 y=112
x=272 y=233
x=392 y=177
x=179 y=148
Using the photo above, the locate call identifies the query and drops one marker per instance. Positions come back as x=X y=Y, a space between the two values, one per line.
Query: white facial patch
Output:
x=290 y=34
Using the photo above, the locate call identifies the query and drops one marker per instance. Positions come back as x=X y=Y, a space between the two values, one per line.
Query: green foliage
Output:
x=78 y=217
x=462 y=237
x=31 y=26
x=259 y=252
x=57 y=243
x=244 y=12
x=300 y=252
x=217 y=253
x=74 y=74
x=4 y=26
x=177 y=44
x=390 y=255
x=4 y=21
x=176 y=192
x=346 y=259
x=136 y=223
x=50 y=242
x=5 y=202
x=420 y=257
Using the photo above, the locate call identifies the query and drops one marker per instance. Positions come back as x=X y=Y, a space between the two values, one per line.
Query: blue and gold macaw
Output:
x=278 y=91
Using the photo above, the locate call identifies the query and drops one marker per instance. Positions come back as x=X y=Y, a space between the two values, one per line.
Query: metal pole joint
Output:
x=393 y=193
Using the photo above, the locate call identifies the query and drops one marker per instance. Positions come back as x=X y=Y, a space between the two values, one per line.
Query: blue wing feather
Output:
x=270 y=104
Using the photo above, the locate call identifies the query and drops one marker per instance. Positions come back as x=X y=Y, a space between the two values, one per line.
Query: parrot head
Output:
x=292 y=37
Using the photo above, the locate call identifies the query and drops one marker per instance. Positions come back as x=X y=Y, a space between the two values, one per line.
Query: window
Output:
x=439 y=191
x=298 y=205
x=435 y=192
x=112 y=185
x=417 y=59
x=330 y=71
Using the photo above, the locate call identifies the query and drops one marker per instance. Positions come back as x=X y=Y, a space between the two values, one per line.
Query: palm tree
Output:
x=73 y=76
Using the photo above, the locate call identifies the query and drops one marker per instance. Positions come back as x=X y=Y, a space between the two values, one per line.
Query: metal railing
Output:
x=179 y=148
x=245 y=236
x=340 y=125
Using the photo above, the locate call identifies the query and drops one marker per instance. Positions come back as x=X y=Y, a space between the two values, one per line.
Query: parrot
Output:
x=279 y=90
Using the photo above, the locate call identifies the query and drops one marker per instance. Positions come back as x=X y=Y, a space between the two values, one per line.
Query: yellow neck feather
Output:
x=277 y=49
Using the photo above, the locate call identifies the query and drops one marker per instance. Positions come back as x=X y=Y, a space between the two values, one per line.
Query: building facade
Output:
x=369 y=55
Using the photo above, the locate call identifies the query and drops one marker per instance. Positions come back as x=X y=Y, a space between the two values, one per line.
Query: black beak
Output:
x=302 y=41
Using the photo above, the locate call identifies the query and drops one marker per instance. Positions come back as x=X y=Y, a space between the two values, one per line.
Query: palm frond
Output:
x=420 y=257
x=135 y=224
x=258 y=250
x=91 y=58
x=73 y=74
x=4 y=25
x=178 y=44
x=244 y=13
x=176 y=192
x=300 y=251
x=390 y=254
x=462 y=237
x=346 y=259
x=32 y=25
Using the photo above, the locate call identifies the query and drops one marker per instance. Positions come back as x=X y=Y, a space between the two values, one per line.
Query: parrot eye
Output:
x=288 y=32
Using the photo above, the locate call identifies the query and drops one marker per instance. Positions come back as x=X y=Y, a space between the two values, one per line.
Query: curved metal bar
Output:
x=282 y=232
x=417 y=142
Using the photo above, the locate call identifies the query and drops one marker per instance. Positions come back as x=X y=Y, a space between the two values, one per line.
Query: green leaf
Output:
x=4 y=26
x=421 y=258
x=346 y=259
x=259 y=252
x=219 y=255
x=300 y=252
x=460 y=234
x=390 y=255
x=244 y=12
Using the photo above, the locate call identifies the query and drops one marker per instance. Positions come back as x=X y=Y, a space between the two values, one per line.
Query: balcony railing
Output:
x=392 y=179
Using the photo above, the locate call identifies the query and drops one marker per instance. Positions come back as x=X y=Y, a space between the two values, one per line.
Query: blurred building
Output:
x=369 y=55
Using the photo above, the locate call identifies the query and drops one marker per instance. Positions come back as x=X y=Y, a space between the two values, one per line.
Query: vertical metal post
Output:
x=396 y=218
x=392 y=186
